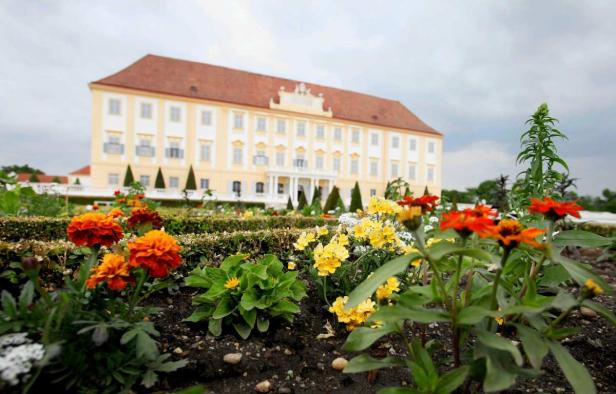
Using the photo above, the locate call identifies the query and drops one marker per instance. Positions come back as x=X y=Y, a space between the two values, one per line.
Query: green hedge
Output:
x=57 y=256
x=606 y=230
x=14 y=228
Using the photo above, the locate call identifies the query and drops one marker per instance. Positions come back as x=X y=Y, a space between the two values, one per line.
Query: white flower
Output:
x=17 y=356
x=434 y=219
x=428 y=228
x=405 y=236
x=348 y=219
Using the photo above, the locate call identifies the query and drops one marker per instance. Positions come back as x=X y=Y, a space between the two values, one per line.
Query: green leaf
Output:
x=262 y=324
x=472 y=315
x=149 y=379
x=581 y=238
x=298 y=290
x=26 y=296
x=442 y=249
x=534 y=346
x=574 y=371
x=215 y=326
x=284 y=306
x=498 y=376
x=9 y=306
x=494 y=341
x=601 y=310
x=201 y=313
x=250 y=299
x=397 y=313
x=242 y=329
x=398 y=390
x=361 y=338
x=450 y=381
x=232 y=261
x=367 y=288
x=364 y=363
x=225 y=307
x=580 y=273
x=249 y=316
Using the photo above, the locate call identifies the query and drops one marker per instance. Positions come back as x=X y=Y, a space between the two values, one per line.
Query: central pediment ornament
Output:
x=301 y=100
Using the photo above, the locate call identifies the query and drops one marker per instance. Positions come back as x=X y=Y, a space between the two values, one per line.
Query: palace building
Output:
x=251 y=137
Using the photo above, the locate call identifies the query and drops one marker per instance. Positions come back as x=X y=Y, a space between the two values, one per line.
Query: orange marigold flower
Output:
x=94 y=229
x=426 y=202
x=232 y=283
x=156 y=251
x=510 y=233
x=140 y=196
x=114 y=270
x=115 y=213
x=470 y=220
x=144 y=216
x=554 y=209
x=121 y=200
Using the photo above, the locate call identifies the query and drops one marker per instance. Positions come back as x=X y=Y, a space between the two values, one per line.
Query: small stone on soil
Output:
x=178 y=350
x=263 y=387
x=232 y=358
x=588 y=313
x=339 y=363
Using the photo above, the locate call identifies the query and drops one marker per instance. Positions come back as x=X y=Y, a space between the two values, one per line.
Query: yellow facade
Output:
x=272 y=153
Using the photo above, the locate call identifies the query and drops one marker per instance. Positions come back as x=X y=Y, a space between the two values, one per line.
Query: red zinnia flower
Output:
x=510 y=233
x=554 y=209
x=92 y=229
x=479 y=219
x=144 y=216
x=426 y=202
x=156 y=251
x=116 y=193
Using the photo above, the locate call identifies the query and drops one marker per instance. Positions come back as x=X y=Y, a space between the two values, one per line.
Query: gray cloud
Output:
x=475 y=70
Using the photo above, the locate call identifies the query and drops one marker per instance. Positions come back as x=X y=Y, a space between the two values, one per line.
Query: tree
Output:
x=316 y=197
x=77 y=181
x=290 y=204
x=191 y=183
x=356 y=202
x=128 y=177
x=407 y=192
x=159 y=183
x=22 y=169
x=302 y=202
x=33 y=178
x=332 y=200
x=501 y=194
x=426 y=191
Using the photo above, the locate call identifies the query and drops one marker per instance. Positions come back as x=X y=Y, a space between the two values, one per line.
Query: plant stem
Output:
x=135 y=296
x=499 y=271
x=455 y=337
x=535 y=269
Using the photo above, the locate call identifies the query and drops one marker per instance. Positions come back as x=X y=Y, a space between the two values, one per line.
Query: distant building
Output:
x=250 y=136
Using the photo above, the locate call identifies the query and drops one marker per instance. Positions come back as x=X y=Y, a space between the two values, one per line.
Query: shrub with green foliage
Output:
x=356 y=202
x=191 y=183
x=302 y=202
x=290 y=204
x=159 y=183
x=244 y=294
x=332 y=200
x=129 y=179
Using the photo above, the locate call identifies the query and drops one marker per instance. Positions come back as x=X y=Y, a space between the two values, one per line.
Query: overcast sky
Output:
x=474 y=70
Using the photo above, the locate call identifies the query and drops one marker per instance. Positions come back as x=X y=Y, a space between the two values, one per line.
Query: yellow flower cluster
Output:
x=383 y=237
x=433 y=241
x=248 y=214
x=379 y=205
x=354 y=317
x=329 y=257
x=593 y=287
x=304 y=240
x=362 y=230
x=322 y=231
x=388 y=288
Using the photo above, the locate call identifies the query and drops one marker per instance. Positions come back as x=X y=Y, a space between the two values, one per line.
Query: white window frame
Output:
x=338 y=133
x=175 y=114
x=146 y=111
x=431 y=148
x=374 y=139
x=204 y=183
x=114 y=106
x=413 y=171
x=374 y=168
x=174 y=182
x=144 y=180
x=238 y=155
x=206 y=117
x=395 y=142
x=113 y=179
x=337 y=164
x=394 y=169
x=320 y=132
x=413 y=144
x=280 y=159
x=355 y=136
x=281 y=126
x=300 y=128
x=238 y=121
x=354 y=167
x=261 y=123
x=205 y=152
x=319 y=162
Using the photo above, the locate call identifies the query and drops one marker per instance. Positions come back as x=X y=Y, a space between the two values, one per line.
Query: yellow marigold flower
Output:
x=232 y=283
x=322 y=231
x=248 y=214
x=388 y=288
x=593 y=287
x=304 y=240
x=291 y=265
x=354 y=317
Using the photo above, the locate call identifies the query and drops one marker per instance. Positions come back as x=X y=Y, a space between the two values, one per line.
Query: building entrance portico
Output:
x=294 y=181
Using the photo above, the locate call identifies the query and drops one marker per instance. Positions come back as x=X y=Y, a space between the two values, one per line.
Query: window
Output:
x=113 y=179
x=281 y=126
x=355 y=136
x=237 y=155
x=320 y=131
x=338 y=133
x=374 y=139
x=206 y=152
x=412 y=144
x=374 y=168
x=372 y=192
x=354 y=166
x=174 y=151
x=238 y=121
x=146 y=110
x=430 y=174
x=113 y=145
x=301 y=129
x=236 y=187
x=261 y=124
x=412 y=171
x=394 y=170
x=205 y=183
x=281 y=188
x=144 y=180
x=206 y=118
x=395 y=142
x=175 y=114
x=300 y=161
x=280 y=159
x=336 y=164
x=174 y=182
x=115 y=106
x=260 y=158
x=431 y=147
x=319 y=162
x=145 y=148
x=259 y=187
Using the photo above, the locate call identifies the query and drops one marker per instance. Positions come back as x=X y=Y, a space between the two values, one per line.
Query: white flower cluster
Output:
x=17 y=356
x=405 y=236
x=348 y=219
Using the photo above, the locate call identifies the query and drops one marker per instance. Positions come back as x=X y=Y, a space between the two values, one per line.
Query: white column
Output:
x=329 y=186
x=271 y=186
x=311 y=188
x=275 y=187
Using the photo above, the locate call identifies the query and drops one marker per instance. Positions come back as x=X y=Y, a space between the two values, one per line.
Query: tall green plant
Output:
x=129 y=179
x=290 y=204
x=302 y=202
x=356 y=202
x=159 y=183
x=539 y=153
x=191 y=183
x=332 y=200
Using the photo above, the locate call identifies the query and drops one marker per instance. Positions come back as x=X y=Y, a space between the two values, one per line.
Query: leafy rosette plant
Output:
x=500 y=283
x=245 y=294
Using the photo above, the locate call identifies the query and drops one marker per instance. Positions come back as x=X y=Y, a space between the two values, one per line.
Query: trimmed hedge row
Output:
x=14 y=228
x=606 y=230
x=57 y=256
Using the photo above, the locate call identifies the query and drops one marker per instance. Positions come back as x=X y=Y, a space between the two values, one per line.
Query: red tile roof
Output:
x=82 y=171
x=184 y=78
x=25 y=177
